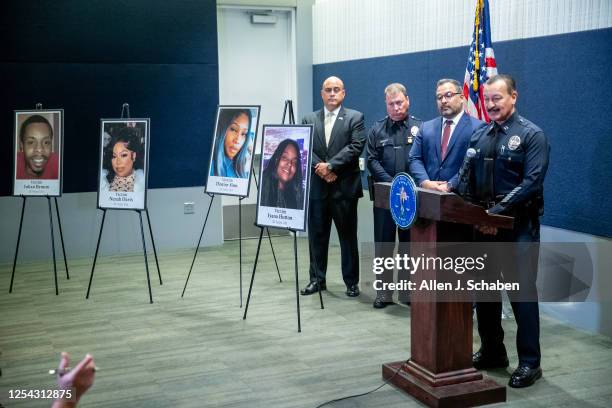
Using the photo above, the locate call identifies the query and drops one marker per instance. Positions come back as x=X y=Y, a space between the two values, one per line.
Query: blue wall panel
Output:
x=564 y=87
x=90 y=57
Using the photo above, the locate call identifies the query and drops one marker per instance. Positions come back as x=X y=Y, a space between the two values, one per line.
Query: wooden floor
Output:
x=198 y=351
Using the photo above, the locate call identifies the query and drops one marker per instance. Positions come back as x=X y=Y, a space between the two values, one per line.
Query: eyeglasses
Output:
x=447 y=96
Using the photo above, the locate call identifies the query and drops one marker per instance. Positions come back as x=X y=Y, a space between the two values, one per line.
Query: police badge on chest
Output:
x=413 y=132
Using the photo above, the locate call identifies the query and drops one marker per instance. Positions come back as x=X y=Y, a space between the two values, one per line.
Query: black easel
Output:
x=195 y=254
x=125 y=113
x=59 y=223
x=212 y=196
x=288 y=108
x=240 y=237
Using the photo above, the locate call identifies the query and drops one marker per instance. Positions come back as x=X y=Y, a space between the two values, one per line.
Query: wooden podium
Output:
x=440 y=372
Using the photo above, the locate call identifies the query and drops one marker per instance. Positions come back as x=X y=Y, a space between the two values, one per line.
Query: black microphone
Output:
x=463 y=182
x=467 y=162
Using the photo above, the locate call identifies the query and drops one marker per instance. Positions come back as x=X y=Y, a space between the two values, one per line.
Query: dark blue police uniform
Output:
x=507 y=178
x=388 y=150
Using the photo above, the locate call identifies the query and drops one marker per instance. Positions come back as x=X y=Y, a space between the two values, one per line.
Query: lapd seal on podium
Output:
x=403 y=200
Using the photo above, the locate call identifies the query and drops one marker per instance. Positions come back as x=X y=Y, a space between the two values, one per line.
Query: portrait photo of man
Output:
x=38 y=142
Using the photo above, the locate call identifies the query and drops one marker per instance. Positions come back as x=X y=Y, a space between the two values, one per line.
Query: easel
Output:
x=288 y=109
x=125 y=113
x=212 y=197
x=240 y=238
x=59 y=223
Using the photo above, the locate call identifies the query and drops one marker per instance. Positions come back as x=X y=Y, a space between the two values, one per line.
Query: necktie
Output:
x=446 y=137
x=328 y=126
x=490 y=152
x=399 y=143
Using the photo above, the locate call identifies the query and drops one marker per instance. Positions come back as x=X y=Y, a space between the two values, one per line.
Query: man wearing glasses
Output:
x=440 y=146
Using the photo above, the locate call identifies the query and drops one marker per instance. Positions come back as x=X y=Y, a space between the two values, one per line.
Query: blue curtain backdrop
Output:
x=89 y=57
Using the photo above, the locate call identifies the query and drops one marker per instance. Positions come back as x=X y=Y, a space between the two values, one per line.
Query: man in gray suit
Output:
x=335 y=186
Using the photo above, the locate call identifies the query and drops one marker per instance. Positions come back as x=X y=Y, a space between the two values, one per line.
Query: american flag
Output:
x=481 y=62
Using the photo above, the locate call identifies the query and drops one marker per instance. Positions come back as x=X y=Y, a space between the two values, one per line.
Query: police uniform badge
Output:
x=413 y=132
x=514 y=142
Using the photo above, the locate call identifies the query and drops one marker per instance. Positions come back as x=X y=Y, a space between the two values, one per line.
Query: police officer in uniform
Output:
x=388 y=146
x=507 y=178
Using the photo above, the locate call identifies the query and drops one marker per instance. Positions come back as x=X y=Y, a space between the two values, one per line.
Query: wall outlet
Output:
x=189 y=207
x=361 y=164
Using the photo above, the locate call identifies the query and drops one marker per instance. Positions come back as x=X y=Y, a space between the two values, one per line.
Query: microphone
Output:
x=464 y=171
x=467 y=163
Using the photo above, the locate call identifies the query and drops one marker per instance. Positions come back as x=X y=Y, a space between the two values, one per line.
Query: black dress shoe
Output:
x=524 y=376
x=379 y=303
x=352 y=291
x=313 y=287
x=481 y=361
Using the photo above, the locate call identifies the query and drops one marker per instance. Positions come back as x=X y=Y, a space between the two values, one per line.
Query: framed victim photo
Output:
x=124 y=162
x=38 y=143
x=286 y=157
x=231 y=158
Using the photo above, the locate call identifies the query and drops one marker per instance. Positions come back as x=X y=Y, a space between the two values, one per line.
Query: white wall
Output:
x=81 y=224
x=303 y=29
x=275 y=64
x=353 y=29
x=256 y=67
x=304 y=57
x=256 y=61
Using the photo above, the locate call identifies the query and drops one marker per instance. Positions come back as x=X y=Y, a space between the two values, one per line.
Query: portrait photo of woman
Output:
x=285 y=176
x=232 y=150
x=282 y=180
x=123 y=160
x=234 y=144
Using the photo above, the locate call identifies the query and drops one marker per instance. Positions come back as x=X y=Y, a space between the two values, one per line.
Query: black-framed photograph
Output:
x=124 y=161
x=286 y=158
x=231 y=158
x=38 y=144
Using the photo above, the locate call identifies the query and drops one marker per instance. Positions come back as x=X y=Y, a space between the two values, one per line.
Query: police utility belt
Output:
x=533 y=207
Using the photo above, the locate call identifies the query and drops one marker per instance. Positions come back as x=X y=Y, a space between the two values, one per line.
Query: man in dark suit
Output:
x=335 y=186
x=440 y=146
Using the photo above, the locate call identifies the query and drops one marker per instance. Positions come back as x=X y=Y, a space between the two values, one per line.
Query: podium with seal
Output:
x=439 y=372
